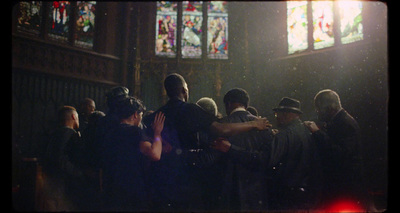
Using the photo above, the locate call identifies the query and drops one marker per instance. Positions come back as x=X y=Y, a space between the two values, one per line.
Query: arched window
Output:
x=313 y=25
x=204 y=29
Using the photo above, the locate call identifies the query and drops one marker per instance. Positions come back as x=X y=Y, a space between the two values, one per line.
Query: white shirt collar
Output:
x=237 y=110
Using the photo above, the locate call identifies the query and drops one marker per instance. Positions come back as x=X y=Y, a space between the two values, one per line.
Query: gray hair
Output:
x=208 y=105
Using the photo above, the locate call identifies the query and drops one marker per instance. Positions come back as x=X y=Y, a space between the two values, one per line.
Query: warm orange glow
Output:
x=345 y=206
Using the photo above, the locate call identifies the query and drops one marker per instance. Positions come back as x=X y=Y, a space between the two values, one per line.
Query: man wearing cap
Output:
x=293 y=164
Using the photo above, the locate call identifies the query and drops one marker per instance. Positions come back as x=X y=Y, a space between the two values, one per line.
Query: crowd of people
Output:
x=188 y=157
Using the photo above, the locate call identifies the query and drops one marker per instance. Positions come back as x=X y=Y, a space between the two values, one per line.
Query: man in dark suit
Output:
x=245 y=157
x=293 y=165
x=340 y=149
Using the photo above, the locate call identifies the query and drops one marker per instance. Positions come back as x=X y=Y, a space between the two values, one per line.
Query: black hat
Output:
x=289 y=105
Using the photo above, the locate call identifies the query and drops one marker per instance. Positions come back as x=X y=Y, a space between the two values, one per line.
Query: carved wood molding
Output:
x=65 y=61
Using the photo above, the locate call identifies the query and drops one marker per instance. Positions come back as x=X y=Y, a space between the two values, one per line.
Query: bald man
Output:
x=339 y=147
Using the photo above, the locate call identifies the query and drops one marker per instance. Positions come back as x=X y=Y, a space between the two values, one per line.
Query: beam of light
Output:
x=351 y=26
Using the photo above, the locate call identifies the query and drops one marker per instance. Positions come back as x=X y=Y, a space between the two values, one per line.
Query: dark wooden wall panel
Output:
x=36 y=98
x=41 y=56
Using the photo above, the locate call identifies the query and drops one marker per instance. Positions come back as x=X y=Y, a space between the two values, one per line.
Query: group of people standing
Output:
x=186 y=157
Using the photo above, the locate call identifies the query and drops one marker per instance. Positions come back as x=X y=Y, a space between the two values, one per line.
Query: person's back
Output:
x=246 y=140
x=244 y=180
x=211 y=171
x=127 y=148
x=104 y=124
x=341 y=157
x=58 y=175
x=63 y=165
x=123 y=169
x=238 y=117
x=207 y=155
x=173 y=175
x=245 y=163
x=294 y=161
x=183 y=122
x=340 y=150
x=294 y=168
x=91 y=150
x=62 y=143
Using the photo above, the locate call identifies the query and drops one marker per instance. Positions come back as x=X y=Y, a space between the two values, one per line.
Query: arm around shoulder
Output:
x=229 y=129
x=153 y=150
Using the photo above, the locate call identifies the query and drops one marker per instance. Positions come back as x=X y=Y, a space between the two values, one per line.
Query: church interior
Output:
x=63 y=52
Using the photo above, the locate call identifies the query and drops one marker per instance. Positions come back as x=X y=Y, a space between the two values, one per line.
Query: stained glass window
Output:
x=59 y=20
x=323 y=24
x=192 y=19
x=166 y=28
x=191 y=29
x=217 y=36
x=29 y=17
x=351 y=27
x=323 y=31
x=85 y=23
x=297 y=26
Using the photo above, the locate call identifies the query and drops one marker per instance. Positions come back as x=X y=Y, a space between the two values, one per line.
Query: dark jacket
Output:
x=340 y=150
x=293 y=168
x=244 y=165
x=64 y=153
x=174 y=179
x=63 y=168
x=124 y=169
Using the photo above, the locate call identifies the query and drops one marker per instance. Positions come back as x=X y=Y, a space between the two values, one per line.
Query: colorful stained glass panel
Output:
x=192 y=20
x=218 y=7
x=322 y=24
x=217 y=38
x=166 y=28
x=166 y=6
x=86 y=13
x=59 y=20
x=297 y=26
x=29 y=17
x=351 y=27
x=192 y=6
